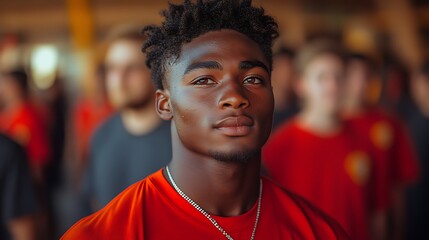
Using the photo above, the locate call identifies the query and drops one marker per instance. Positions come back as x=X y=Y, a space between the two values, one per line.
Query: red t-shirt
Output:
x=390 y=141
x=25 y=126
x=87 y=117
x=334 y=172
x=152 y=209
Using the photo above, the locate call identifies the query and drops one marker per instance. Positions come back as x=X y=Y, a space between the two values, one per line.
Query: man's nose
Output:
x=233 y=95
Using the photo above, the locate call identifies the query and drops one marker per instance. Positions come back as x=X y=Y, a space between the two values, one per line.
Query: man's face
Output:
x=357 y=77
x=127 y=77
x=321 y=82
x=220 y=96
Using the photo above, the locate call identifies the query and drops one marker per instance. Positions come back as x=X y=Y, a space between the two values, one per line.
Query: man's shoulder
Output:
x=305 y=216
x=10 y=151
x=8 y=143
x=122 y=218
x=106 y=128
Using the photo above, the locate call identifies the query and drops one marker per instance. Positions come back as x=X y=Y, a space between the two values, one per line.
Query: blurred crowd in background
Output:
x=77 y=117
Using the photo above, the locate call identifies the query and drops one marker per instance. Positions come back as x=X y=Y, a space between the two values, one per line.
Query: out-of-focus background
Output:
x=59 y=45
x=67 y=32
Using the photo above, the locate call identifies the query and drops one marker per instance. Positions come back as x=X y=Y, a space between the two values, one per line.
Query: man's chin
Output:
x=242 y=156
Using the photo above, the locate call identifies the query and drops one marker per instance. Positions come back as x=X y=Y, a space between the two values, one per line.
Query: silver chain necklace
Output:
x=196 y=206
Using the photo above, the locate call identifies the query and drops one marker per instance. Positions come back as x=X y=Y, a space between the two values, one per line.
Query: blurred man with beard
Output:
x=134 y=142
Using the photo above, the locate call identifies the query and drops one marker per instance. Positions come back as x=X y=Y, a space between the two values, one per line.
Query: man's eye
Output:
x=253 y=80
x=203 y=81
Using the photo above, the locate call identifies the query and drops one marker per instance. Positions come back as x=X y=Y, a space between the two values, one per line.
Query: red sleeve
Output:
x=380 y=182
x=80 y=121
x=322 y=224
x=34 y=138
x=39 y=147
x=122 y=218
x=405 y=168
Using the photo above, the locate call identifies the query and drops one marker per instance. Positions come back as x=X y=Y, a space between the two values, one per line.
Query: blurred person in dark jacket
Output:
x=17 y=197
x=417 y=118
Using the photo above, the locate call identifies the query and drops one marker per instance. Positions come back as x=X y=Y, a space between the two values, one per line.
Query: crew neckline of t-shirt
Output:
x=236 y=223
x=160 y=125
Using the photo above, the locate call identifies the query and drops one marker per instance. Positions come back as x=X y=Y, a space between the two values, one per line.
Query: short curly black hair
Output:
x=189 y=20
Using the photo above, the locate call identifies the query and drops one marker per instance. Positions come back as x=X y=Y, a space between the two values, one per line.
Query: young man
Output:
x=17 y=196
x=387 y=137
x=134 y=142
x=319 y=157
x=282 y=79
x=211 y=63
x=20 y=120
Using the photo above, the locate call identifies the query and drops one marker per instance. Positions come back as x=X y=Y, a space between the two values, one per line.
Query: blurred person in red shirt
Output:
x=319 y=157
x=89 y=113
x=211 y=63
x=386 y=134
x=22 y=122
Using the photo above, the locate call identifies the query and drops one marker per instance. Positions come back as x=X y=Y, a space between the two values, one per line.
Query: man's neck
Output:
x=319 y=122
x=220 y=188
x=352 y=108
x=140 y=121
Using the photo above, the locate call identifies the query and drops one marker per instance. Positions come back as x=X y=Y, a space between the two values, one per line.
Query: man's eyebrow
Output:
x=252 y=64
x=206 y=64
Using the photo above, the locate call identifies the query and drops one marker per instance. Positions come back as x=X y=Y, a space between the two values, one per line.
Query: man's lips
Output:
x=235 y=126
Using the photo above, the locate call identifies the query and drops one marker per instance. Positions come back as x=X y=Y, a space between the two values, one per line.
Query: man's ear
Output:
x=163 y=105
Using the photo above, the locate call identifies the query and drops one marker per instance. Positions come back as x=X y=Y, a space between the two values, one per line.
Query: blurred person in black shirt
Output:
x=17 y=197
x=416 y=115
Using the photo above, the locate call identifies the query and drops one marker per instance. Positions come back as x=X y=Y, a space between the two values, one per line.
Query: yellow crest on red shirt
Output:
x=381 y=135
x=358 y=167
x=21 y=134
